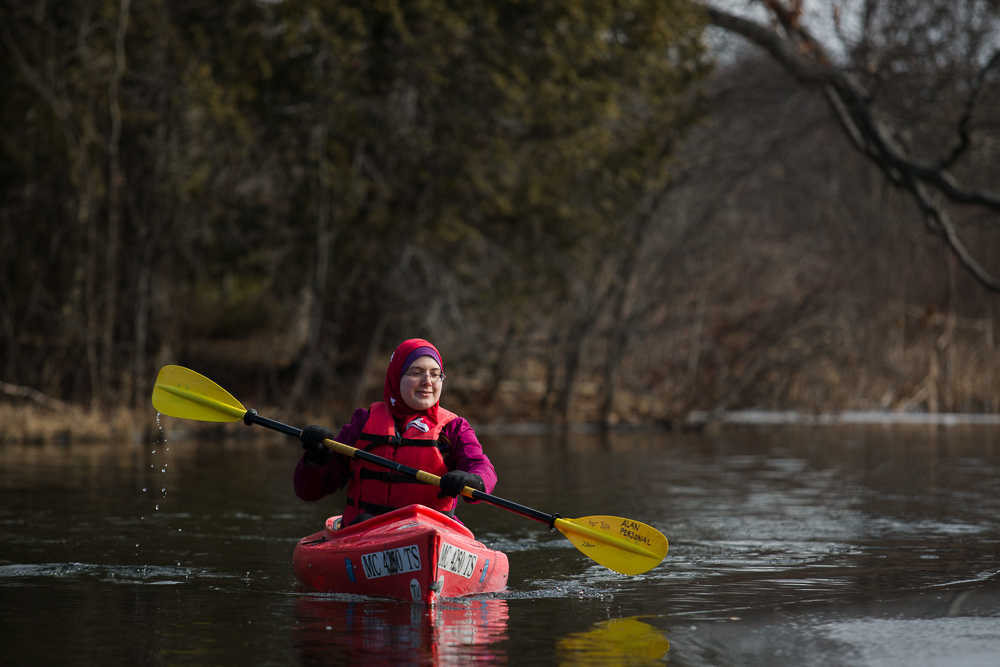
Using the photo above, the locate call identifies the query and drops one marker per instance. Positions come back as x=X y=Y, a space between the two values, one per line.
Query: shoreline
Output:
x=844 y=417
x=35 y=423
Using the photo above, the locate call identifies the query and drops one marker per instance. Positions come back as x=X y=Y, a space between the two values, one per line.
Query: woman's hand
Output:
x=453 y=482
x=312 y=438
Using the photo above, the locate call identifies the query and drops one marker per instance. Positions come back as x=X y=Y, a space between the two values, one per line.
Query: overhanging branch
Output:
x=869 y=131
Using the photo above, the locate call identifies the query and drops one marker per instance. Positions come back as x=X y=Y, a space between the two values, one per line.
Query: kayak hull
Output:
x=413 y=553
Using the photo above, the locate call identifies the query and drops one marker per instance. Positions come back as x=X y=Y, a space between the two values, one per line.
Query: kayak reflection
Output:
x=617 y=642
x=375 y=632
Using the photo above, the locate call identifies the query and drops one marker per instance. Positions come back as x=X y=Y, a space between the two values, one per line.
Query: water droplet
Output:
x=154 y=451
x=157 y=507
x=163 y=470
x=144 y=489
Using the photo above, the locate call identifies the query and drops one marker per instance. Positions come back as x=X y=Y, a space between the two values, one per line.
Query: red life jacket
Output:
x=376 y=490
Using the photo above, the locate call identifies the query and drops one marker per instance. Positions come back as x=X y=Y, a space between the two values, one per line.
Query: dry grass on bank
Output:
x=904 y=360
x=29 y=422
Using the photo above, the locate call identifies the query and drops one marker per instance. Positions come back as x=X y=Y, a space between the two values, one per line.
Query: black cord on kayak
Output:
x=552 y=522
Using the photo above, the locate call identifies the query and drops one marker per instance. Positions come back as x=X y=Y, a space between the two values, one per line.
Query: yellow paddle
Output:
x=622 y=545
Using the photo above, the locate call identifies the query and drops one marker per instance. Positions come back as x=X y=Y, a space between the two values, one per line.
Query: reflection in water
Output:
x=371 y=632
x=619 y=642
x=789 y=546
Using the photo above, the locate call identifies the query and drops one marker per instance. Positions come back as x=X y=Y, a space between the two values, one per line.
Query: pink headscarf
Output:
x=407 y=352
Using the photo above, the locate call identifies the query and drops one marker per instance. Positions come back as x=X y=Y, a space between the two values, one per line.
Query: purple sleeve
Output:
x=468 y=453
x=314 y=482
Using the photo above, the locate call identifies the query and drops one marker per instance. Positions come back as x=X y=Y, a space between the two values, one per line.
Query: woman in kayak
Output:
x=409 y=427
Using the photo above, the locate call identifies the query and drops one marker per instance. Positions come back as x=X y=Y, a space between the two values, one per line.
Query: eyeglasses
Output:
x=435 y=376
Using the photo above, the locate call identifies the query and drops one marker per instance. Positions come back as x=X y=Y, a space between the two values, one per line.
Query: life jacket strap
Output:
x=388 y=477
x=376 y=440
x=371 y=508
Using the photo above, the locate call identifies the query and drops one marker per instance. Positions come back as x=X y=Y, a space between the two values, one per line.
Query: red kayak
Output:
x=413 y=553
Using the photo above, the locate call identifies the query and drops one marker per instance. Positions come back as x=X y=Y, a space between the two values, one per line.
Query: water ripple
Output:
x=126 y=574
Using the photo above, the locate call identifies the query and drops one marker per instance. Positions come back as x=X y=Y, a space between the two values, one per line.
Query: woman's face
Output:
x=421 y=392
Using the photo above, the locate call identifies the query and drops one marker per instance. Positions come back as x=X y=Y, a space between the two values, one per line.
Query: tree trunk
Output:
x=361 y=388
x=324 y=247
x=115 y=179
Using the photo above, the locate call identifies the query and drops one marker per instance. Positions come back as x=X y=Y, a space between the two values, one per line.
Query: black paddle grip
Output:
x=251 y=418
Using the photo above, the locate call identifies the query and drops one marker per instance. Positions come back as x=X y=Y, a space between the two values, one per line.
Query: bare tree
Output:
x=938 y=47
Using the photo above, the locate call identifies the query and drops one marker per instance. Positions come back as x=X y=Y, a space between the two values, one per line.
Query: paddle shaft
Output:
x=622 y=545
x=251 y=417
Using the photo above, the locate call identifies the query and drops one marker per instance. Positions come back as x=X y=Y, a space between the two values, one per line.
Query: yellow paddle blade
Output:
x=622 y=545
x=180 y=392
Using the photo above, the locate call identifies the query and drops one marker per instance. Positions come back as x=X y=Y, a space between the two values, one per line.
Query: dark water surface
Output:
x=789 y=545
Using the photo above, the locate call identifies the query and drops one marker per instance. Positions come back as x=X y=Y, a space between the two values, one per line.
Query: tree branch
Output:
x=20 y=391
x=963 y=124
x=870 y=131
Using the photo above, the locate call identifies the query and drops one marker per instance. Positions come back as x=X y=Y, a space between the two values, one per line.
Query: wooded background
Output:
x=599 y=211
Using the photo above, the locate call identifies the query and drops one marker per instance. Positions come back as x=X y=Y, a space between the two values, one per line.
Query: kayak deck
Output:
x=413 y=553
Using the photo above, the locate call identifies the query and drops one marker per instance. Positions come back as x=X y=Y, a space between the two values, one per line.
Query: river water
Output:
x=789 y=545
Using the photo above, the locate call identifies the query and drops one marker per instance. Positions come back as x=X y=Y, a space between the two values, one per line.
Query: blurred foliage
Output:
x=296 y=175
x=275 y=193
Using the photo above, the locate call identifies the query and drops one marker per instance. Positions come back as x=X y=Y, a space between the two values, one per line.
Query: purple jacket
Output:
x=315 y=482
